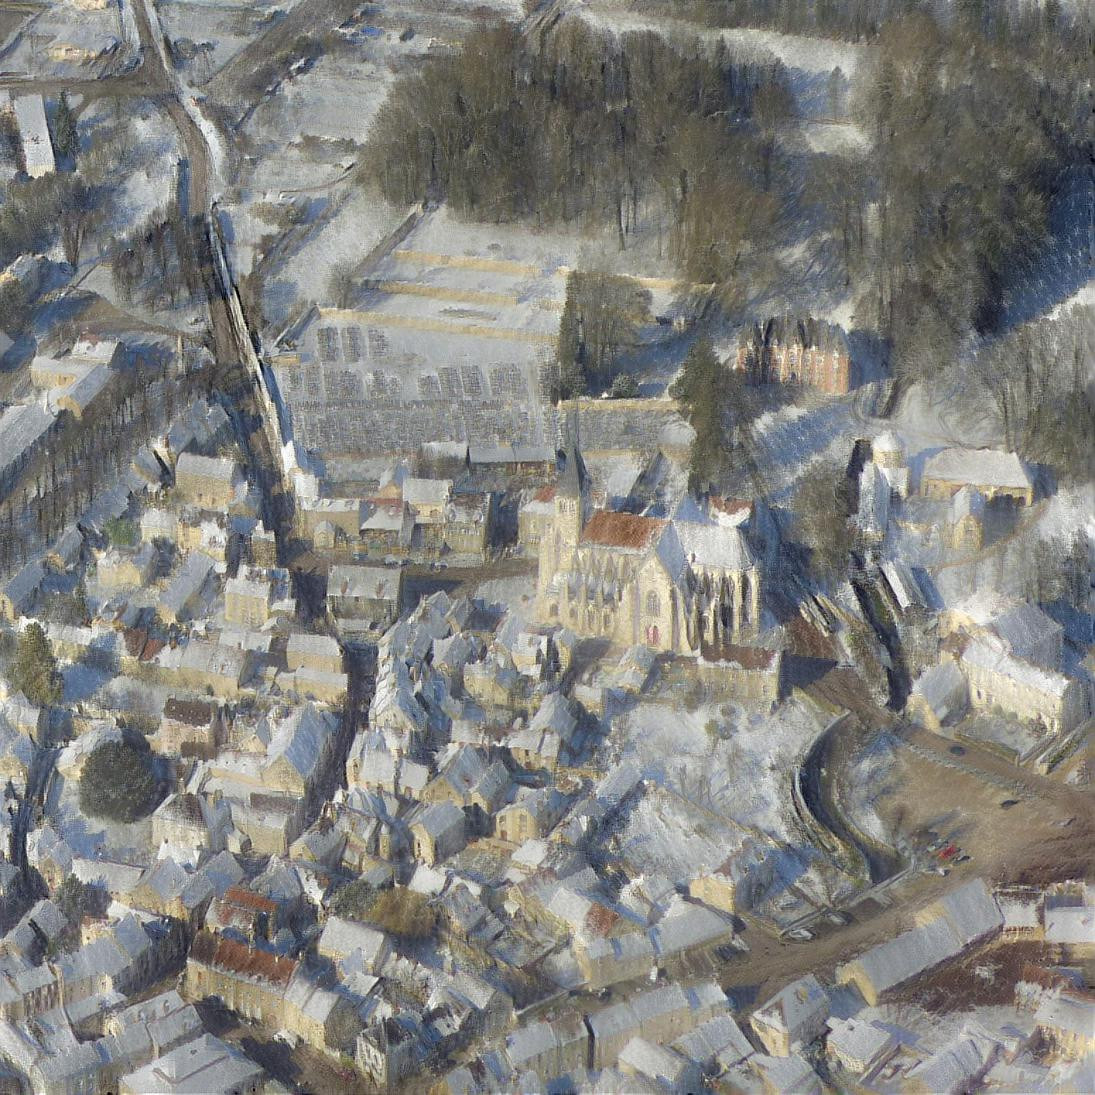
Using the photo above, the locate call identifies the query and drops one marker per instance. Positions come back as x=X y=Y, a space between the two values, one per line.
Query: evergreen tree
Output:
x=66 y=138
x=35 y=672
x=117 y=782
x=703 y=389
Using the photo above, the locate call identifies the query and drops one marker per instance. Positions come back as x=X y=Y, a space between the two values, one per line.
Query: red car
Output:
x=949 y=852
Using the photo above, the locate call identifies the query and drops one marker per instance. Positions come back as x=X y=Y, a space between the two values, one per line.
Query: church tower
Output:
x=572 y=491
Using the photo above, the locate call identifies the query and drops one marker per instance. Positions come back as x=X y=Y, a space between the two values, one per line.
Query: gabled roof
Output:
x=629 y=531
x=981 y=467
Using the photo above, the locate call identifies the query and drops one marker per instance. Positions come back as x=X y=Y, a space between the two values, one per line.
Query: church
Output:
x=678 y=585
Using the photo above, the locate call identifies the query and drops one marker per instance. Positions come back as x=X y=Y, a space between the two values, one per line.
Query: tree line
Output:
x=592 y=129
x=970 y=144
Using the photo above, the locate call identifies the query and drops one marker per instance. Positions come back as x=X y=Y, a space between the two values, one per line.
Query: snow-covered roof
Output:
x=981 y=467
x=988 y=656
x=712 y=545
x=795 y=1006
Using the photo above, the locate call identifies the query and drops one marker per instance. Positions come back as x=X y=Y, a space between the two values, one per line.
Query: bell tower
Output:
x=572 y=492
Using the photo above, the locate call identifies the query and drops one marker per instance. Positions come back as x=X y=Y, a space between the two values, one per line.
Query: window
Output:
x=653 y=604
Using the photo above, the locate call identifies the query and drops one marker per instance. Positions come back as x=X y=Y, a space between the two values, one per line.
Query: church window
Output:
x=653 y=604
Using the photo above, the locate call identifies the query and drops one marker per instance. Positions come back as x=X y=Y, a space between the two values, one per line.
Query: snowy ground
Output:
x=719 y=787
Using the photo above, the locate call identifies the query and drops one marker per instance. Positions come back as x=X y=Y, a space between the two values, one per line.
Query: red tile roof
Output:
x=730 y=506
x=248 y=899
x=623 y=530
x=545 y=494
x=242 y=960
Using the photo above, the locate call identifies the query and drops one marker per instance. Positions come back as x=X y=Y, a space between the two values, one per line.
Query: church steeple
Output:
x=572 y=489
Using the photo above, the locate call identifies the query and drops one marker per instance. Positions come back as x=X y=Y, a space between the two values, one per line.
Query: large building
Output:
x=786 y=350
x=675 y=585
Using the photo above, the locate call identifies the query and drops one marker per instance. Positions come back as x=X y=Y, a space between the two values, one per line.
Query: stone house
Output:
x=549 y=1049
x=191 y=824
x=1067 y=1022
x=995 y=474
x=795 y=1016
x=535 y=518
x=1020 y=688
x=437 y=832
x=125 y=569
x=938 y=696
x=467 y=525
x=372 y=596
x=189 y=727
x=965 y=527
x=748 y=672
x=319 y=652
x=206 y=481
x=253 y=596
x=386 y=1052
x=386 y=527
x=249 y=981
x=531 y=816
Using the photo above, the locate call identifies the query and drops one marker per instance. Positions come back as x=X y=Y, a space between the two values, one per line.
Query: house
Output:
x=427 y=499
x=385 y=527
x=189 y=727
x=1021 y=628
x=467 y=525
x=207 y=481
x=387 y=1051
x=955 y=1068
x=1020 y=688
x=190 y=824
x=859 y=1046
x=34 y=135
x=789 y=350
x=965 y=527
x=318 y=652
x=437 y=832
x=938 y=696
x=663 y=1067
x=1068 y=916
x=794 y=1017
x=995 y=474
x=243 y=914
x=88 y=389
x=203 y=666
x=1067 y=1022
x=531 y=816
x=888 y=455
x=248 y=980
x=944 y=930
x=751 y=672
x=255 y=595
x=116 y=569
x=368 y=595
x=203 y=1066
x=183 y=592
x=341 y=937
x=739 y=883
x=21 y=590
x=549 y=1049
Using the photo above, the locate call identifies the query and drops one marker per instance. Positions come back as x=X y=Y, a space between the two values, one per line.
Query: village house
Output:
x=944 y=930
x=318 y=652
x=995 y=474
x=366 y=595
x=385 y=528
x=437 y=832
x=531 y=816
x=250 y=981
x=387 y=1051
x=183 y=593
x=202 y=666
x=1023 y=690
x=1067 y=1022
x=859 y=1046
x=255 y=595
x=1022 y=628
x=341 y=937
x=939 y=696
x=189 y=727
x=205 y=1064
x=549 y=1049
x=965 y=526
x=750 y=673
x=467 y=527
x=786 y=350
x=794 y=1017
x=116 y=569
x=207 y=481
x=189 y=825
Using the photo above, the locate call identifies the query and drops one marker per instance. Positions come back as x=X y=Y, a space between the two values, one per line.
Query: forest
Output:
x=589 y=129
